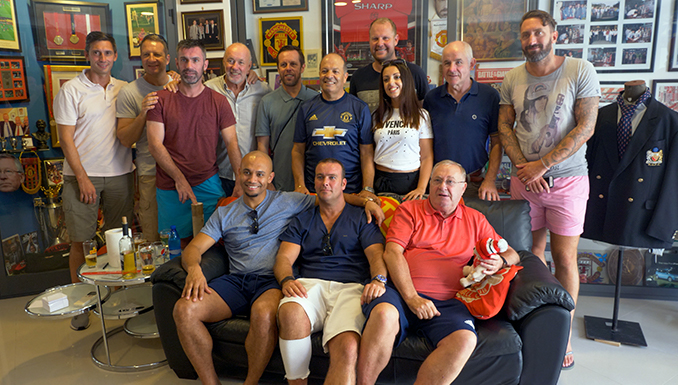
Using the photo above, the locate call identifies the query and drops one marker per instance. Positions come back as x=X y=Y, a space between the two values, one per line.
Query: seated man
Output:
x=250 y=227
x=427 y=245
x=338 y=250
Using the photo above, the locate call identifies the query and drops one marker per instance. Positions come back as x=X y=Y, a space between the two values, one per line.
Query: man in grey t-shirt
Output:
x=134 y=100
x=554 y=101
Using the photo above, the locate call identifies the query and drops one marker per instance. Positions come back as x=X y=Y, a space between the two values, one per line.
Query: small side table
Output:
x=132 y=300
x=74 y=292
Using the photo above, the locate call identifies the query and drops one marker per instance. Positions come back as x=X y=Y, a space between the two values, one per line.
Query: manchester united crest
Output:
x=346 y=117
x=277 y=33
x=654 y=157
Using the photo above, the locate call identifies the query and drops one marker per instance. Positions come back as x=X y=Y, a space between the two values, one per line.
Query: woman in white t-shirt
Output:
x=403 y=138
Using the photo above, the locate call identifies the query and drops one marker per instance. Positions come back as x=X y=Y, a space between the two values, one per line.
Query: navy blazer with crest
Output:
x=634 y=200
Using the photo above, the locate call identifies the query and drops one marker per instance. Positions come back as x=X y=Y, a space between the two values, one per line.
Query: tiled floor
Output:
x=37 y=351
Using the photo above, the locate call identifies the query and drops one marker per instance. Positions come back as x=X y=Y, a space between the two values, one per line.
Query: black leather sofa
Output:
x=524 y=344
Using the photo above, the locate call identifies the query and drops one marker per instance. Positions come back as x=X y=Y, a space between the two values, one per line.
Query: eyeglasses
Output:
x=327 y=247
x=392 y=62
x=448 y=182
x=9 y=172
x=153 y=35
x=254 y=227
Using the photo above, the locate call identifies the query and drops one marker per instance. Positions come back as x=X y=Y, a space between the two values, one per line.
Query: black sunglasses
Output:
x=327 y=247
x=392 y=62
x=254 y=227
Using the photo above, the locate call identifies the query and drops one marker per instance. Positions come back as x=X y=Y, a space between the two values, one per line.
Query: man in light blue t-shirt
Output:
x=250 y=227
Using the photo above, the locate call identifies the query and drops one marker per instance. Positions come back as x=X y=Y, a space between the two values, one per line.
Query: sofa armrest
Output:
x=214 y=264
x=533 y=287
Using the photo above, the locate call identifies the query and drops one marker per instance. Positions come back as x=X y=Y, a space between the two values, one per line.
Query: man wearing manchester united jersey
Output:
x=336 y=125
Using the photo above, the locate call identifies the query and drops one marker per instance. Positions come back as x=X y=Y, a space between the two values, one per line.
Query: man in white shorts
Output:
x=337 y=251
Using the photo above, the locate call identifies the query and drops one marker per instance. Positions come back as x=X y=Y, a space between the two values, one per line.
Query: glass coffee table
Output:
x=134 y=299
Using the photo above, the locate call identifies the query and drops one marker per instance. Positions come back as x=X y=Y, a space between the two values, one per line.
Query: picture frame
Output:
x=138 y=72
x=277 y=32
x=142 y=19
x=269 y=6
x=13 y=85
x=609 y=92
x=14 y=259
x=617 y=36
x=55 y=77
x=213 y=70
x=60 y=27
x=18 y=120
x=273 y=78
x=493 y=32
x=346 y=31
x=54 y=171
x=213 y=40
x=666 y=92
x=9 y=36
x=673 y=51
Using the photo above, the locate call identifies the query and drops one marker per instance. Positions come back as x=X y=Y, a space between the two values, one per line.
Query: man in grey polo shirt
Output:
x=134 y=100
x=244 y=99
x=277 y=115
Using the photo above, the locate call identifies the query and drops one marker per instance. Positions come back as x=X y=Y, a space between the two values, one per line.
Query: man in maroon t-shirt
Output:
x=183 y=130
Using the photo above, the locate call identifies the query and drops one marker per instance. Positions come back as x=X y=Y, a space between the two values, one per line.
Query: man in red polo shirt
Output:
x=427 y=245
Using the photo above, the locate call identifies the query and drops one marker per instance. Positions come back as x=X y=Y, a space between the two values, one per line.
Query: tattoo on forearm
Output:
x=586 y=113
x=507 y=117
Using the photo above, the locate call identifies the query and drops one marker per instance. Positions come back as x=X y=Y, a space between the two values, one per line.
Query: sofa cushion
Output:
x=510 y=219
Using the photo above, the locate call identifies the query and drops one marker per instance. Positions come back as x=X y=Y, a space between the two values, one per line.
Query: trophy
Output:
x=50 y=215
x=14 y=142
x=3 y=143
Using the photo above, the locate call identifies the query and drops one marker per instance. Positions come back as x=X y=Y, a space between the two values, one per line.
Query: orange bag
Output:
x=484 y=299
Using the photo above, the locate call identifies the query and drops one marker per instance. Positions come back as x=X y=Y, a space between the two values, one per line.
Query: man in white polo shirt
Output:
x=97 y=165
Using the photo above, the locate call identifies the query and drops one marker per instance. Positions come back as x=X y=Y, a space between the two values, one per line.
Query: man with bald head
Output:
x=464 y=113
x=334 y=124
x=249 y=227
x=244 y=99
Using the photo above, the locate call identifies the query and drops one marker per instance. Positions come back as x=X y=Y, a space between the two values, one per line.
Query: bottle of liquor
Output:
x=126 y=247
x=174 y=243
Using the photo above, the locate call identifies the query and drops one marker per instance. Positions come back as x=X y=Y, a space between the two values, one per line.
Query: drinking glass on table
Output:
x=89 y=247
x=147 y=257
x=164 y=237
x=161 y=253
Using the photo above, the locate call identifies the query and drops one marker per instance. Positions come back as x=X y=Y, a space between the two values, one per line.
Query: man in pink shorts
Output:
x=553 y=100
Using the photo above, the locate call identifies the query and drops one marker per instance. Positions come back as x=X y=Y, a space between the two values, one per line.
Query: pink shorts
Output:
x=562 y=210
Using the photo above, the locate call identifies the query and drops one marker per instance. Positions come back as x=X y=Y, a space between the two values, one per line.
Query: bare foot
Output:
x=568 y=361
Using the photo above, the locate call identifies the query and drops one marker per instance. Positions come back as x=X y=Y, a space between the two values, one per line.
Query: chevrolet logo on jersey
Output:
x=329 y=132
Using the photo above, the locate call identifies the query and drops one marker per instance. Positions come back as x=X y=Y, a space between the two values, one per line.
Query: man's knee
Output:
x=290 y=313
x=462 y=342
x=263 y=311
x=384 y=317
x=344 y=346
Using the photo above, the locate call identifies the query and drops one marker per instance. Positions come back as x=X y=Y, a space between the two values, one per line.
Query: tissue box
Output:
x=54 y=302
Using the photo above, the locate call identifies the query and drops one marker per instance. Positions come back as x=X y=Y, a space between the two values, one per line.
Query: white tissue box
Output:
x=54 y=302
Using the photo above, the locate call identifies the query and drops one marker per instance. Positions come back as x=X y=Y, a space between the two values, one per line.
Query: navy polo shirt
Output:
x=460 y=130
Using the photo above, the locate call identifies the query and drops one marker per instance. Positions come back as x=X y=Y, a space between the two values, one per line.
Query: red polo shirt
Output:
x=437 y=248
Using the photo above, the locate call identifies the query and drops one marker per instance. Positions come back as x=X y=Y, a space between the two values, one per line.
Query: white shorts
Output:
x=332 y=307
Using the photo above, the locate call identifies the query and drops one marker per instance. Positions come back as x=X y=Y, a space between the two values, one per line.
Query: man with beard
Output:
x=183 y=131
x=134 y=101
x=244 y=99
x=365 y=81
x=572 y=108
x=250 y=228
x=277 y=115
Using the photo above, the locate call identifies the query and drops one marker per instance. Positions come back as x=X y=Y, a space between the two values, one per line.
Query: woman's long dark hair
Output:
x=410 y=106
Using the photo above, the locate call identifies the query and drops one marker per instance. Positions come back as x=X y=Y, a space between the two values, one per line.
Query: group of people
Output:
x=205 y=30
x=300 y=263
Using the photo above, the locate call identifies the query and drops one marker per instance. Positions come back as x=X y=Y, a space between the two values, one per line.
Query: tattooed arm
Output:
x=585 y=113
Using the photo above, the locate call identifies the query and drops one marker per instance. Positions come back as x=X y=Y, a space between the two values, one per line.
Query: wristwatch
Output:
x=380 y=278
x=369 y=189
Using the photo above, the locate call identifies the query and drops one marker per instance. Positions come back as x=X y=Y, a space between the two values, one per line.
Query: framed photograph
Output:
x=346 y=31
x=55 y=77
x=14 y=120
x=13 y=87
x=277 y=33
x=54 y=171
x=273 y=78
x=142 y=20
x=614 y=35
x=207 y=26
x=609 y=92
x=60 y=27
x=666 y=91
x=9 y=30
x=673 y=56
x=15 y=261
x=264 y=6
x=214 y=70
x=493 y=28
x=138 y=72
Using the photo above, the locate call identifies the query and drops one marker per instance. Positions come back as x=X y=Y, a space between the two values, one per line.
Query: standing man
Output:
x=550 y=145
x=277 y=115
x=365 y=81
x=97 y=165
x=336 y=251
x=427 y=281
x=244 y=99
x=134 y=101
x=336 y=125
x=183 y=131
x=464 y=114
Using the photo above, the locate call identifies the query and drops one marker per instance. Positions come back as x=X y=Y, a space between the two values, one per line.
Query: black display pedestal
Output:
x=612 y=330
